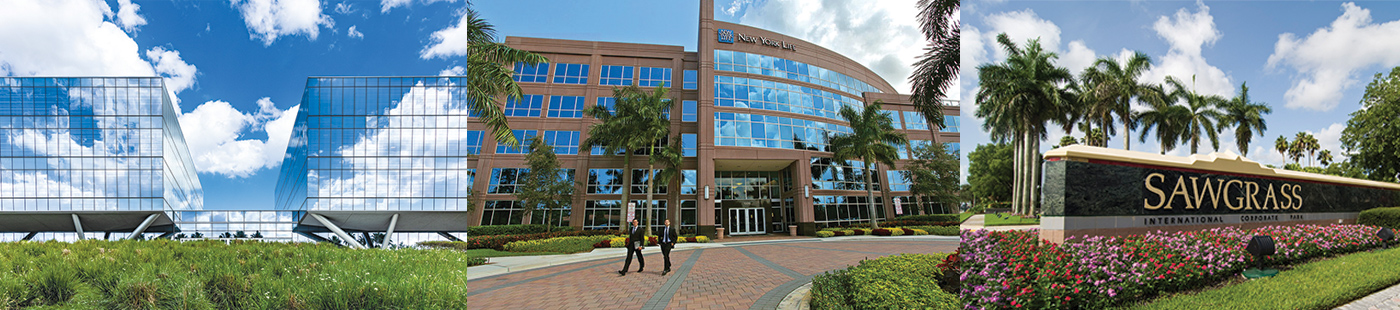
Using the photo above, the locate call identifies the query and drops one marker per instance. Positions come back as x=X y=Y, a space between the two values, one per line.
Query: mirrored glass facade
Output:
x=93 y=144
x=391 y=143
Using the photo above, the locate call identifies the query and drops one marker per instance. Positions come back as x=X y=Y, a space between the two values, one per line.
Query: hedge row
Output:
x=905 y=281
x=620 y=241
x=491 y=230
x=897 y=223
x=893 y=231
x=930 y=217
x=498 y=242
x=557 y=245
x=1383 y=217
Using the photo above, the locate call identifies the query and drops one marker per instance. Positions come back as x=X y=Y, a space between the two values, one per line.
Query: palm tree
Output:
x=1016 y=99
x=1306 y=143
x=1118 y=84
x=638 y=123
x=1297 y=149
x=1169 y=121
x=1246 y=116
x=1325 y=157
x=669 y=157
x=1281 y=145
x=1204 y=115
x=1066 y=141
x=1093 y=136
x=938 y=67
x=872 y=139
x=489 y=74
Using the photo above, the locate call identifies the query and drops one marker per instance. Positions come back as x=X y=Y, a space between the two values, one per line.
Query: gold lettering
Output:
x=1287 y=199
x=1161 y=197
x=1225 y=192
x=1253 y=190
x=1299 y=196
x=1180 y=189
x=1270 y=197
x=1207 y=191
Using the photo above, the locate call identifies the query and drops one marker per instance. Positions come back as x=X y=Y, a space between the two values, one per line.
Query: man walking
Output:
x=635 y=240
x=668 y=241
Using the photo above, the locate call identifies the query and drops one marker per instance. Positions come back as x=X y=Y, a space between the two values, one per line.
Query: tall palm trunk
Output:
x=1016 y=174
x=870 y=194
x=651 y=177
x=627 y=188
x=1127 y=136
x=1025 y=173
x=1035 y=176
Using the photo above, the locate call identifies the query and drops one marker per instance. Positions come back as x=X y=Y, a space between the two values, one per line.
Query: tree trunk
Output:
x=627 y=188
x=1016 y=174
x=1127 y=136
x=870 y=194
x=1035 y=176
x=651 y=192
x=1028 y=170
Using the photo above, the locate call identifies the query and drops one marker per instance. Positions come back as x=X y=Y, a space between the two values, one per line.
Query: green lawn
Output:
x=962 y=217
x=1317 y=285
x=994 y=220
x=483 y=253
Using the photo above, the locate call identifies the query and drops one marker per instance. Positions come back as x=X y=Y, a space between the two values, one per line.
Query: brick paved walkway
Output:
x=751 y=276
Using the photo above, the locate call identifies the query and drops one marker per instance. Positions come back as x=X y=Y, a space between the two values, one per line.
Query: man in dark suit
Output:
x=667 y=241
x=635 y=240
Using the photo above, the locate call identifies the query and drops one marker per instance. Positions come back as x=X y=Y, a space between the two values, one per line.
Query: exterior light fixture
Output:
x=1386 y=236
x=807 y=191
x=1260 y=246
x=707 y=192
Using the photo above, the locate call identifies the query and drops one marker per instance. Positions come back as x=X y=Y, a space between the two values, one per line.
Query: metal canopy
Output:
x=62 y=221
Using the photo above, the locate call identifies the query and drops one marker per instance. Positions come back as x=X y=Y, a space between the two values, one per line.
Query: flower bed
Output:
x=557 y=245
x=1015 y=269
x=891 y=231
x=620 y=241
x=498 y=242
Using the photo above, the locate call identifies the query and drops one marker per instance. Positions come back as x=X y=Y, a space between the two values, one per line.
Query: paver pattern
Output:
x=720 y=278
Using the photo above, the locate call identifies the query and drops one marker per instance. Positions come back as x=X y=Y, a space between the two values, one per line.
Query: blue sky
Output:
x=1310 y=61
x=237 y=68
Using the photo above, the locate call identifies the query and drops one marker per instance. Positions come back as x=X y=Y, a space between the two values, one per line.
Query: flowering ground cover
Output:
x=1015 y=269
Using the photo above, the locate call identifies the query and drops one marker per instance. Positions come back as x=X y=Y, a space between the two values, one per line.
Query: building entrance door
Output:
x=747 y=221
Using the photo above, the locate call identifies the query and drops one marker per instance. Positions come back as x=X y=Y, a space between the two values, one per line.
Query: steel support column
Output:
x=389 y=235
x=30 y=235
x=337 y=231
x=79 y=226
x=144 y=224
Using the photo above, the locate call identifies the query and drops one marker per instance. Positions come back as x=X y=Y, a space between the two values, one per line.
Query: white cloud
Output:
x=1330 y=138
x=215 y=144
x=128 y=16
x=269 y=19
x=882 y=35
x=453 y=71
x=1327 y=60
x=1186 y=33
x=178 y=75
x=448 y=42
x=354 y=33
x=1021 y=26
x=1078 y=57
x=387 y=5
x=344 y=8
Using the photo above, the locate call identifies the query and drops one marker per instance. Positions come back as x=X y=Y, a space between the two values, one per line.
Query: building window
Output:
x=903 y=150
x=501 y=212
x=598 y=150
x=688 y=181
x=527 y=106
x=531 y=74
x=837 y=211
x=570 y=73
x=782 y=97
x=609 y=102
x=505 y=180
x=602 y=214
x=557 y=216
x=654 y=77
x=950 y=123
x=899 y=180
x=783 y=68
x=564 y=142
x=749 y=184
x=691 y=78
x=658 y=214
x=688 y=145
x=523 y=136
x=639 y=182
x=689 y=110
x=616 y=75
x=566 y=106
x=604 y=181
x=914 y=121
x=688 y=219
x=752 y=130
x=829 y=174
x=472 y=143
x=954 y=148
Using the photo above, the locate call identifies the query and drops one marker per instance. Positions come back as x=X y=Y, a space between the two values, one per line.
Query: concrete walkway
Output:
x=1385 y=299
x=978 y=222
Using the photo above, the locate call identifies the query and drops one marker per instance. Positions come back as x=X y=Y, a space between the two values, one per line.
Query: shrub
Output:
x=54 y=283
x=888 y=232
x=825 y=234
x=937 y=230
x=491 y=230
x=930 y=218
x=556 y=245
x=1383 y=217
x=919 y=232
x=905 y=281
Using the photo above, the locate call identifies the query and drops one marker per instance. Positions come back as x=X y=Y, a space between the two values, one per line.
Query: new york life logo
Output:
x=726 y=36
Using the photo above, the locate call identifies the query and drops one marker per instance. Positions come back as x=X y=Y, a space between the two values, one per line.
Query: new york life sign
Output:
x=731 y=37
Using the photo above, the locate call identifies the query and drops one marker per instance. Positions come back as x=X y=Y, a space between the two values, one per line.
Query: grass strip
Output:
x=1318 y=285
x=994 y=220
x=962 y=217
x=484 y=253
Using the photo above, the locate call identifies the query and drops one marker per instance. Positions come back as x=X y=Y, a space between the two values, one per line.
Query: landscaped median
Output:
x=164 y=274
x=1015 y=269
x=905 y=281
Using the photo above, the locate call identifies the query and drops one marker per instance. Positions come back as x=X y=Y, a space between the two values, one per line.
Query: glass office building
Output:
x=754 y=111
x=380 y=154
x=100 y=155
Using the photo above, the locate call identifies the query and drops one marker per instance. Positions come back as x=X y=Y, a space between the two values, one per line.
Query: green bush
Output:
x=557 y=245
x=492 y=230
x=930 y=218
x=165 y=274
x=1383 y=217
x=825 y=233
x=498 y=242
x=937 y=230
x=905 y=281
